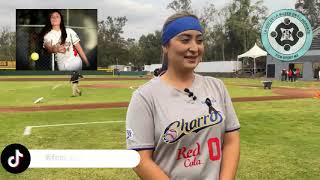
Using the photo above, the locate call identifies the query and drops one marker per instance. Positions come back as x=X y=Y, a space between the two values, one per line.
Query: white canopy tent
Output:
x=254 y=52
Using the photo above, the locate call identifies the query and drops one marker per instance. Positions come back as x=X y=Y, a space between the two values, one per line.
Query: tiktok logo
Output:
x=15 y=158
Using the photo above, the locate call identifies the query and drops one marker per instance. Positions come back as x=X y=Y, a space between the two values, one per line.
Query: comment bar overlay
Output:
x=84 y=158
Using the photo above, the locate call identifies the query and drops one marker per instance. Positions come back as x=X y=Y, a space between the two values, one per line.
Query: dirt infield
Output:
x=64 y=107
x=106 y=86
x=295 y=92
x=284 y=93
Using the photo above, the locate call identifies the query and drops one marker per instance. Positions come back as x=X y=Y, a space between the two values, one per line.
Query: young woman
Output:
x=183 y=124
x=64 y=43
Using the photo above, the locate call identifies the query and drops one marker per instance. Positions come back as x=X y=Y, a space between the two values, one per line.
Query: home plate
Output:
x=38 y=100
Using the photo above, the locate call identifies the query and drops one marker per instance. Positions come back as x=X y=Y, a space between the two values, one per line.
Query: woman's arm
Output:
x=147 y=168
x=81 y=53
x=54 y=48
x=230 y=155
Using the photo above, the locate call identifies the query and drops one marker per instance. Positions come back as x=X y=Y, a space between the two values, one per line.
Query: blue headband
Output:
x=179 y=25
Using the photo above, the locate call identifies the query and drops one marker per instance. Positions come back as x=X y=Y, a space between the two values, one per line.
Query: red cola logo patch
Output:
x=191 y=155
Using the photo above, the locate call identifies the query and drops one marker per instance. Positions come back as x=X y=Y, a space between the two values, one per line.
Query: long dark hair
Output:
x=47 y=28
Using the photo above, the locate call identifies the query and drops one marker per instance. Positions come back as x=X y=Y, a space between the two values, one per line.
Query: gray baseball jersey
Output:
x=187 y=140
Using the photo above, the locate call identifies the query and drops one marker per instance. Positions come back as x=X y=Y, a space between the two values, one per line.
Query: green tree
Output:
x=112 y=46
x=7 y=44
x=151 y=48
x=243 y=25
x=209 y=22
x=180 y=5
x=311 y=9
x=230 y=30
x=135 y=54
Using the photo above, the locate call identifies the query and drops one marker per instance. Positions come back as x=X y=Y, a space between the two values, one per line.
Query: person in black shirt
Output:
x=284 y=75
x=74 y=80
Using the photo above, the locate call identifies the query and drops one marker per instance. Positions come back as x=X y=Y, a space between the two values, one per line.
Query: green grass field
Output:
x=25 y=93
x=279 y=139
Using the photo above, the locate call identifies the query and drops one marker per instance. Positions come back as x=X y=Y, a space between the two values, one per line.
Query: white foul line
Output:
x=134 y=87
x=27 y=130
x=56 y=86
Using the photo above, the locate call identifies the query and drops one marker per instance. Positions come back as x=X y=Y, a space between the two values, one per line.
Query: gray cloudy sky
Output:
x=144 y=16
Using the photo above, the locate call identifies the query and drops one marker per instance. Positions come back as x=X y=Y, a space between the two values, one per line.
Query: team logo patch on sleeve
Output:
x=129 y=134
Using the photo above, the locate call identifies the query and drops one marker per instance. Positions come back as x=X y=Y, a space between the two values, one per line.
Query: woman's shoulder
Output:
x=69 y=30
x=148 y=87
x=49 y=34
x=214 y=84
x=211 y=80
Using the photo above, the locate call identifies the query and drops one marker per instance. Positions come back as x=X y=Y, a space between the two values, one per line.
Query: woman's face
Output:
x=185 y=50
x=55 y=19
